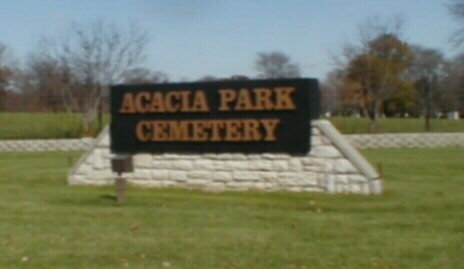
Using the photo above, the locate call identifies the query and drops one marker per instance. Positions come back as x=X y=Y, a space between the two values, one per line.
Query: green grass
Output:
x=41 y=125
x=396 y=125
x=63 y=125
x=417 y=223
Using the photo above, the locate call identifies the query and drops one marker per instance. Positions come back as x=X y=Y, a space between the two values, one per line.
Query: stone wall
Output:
x=331 y=166
x=45 y=145
x=418 y=140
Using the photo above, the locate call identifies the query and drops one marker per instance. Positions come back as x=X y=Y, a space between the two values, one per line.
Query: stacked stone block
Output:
x=324 y=169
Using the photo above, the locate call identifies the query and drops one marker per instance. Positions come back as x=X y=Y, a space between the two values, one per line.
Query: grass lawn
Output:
x=42 y=125
x=417 y=223
x=396 y=125
x=39 y=125
x=63 y=125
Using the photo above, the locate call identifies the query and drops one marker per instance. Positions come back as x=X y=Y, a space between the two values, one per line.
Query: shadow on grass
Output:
x=103 y=200
x=108 y=197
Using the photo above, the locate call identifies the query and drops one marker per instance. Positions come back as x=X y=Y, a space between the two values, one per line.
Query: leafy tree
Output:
x=276 y=65
x=377 y=75
x=375 y=69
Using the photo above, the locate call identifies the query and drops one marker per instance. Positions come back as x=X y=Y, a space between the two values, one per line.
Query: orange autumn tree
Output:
x=377 y=75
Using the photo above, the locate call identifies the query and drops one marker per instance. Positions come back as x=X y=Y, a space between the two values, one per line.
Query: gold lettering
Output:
x=226 y=96
x=178 y=130
x=263 y=99
x=159 y=131
x=199 y=133
x=141 y=131
x=283 y=99
x=215 y=125
x=200 y=104
x=185 y=101
x=157 y=103
x=232 y=130
x=127 y=104
x=251 y=130
x=141 y=102
x=169 y=101
x=270 y=127
x=243 y=100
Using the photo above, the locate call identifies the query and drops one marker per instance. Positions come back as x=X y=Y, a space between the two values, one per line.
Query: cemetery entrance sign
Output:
x=251 y=116
x=181 y=134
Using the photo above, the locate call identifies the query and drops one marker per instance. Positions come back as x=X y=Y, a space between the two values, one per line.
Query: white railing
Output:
x=361 y=141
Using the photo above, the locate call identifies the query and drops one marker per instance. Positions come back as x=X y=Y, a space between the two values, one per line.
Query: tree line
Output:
x=73 y=73
x=383 y=75
x=380 y=74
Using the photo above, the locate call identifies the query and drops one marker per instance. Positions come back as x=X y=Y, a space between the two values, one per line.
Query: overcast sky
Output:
x=194 y=38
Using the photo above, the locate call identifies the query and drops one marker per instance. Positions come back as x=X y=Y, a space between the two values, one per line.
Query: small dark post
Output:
x=121 y=186
x=121 y=164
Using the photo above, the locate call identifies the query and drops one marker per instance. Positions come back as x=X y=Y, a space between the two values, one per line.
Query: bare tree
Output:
x=456 y=9
x=25 y=96
x=6 y=73
x=452 y=97
x=46 y=78
x=90 y=58
x=332 y=88
x=207 y=78
x=3 y=52
x=3 y=75
x=276 y=65
x=428 y=70
x=144 y=76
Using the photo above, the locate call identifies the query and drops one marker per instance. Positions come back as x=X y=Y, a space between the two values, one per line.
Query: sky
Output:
x=194 y=38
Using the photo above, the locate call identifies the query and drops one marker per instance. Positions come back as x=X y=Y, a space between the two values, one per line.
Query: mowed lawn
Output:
x=43 y=125
x=64 y=125
x=396 y=125
x=417 y=223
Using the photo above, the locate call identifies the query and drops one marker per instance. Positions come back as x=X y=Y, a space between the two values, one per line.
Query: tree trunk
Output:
x=428 y=107
x=373 y=112
x=86 y=127
x=427 y=122
x=373 y=126
x=2 y=100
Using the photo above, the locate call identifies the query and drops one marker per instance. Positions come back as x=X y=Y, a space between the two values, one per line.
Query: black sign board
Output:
x=252 y=116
